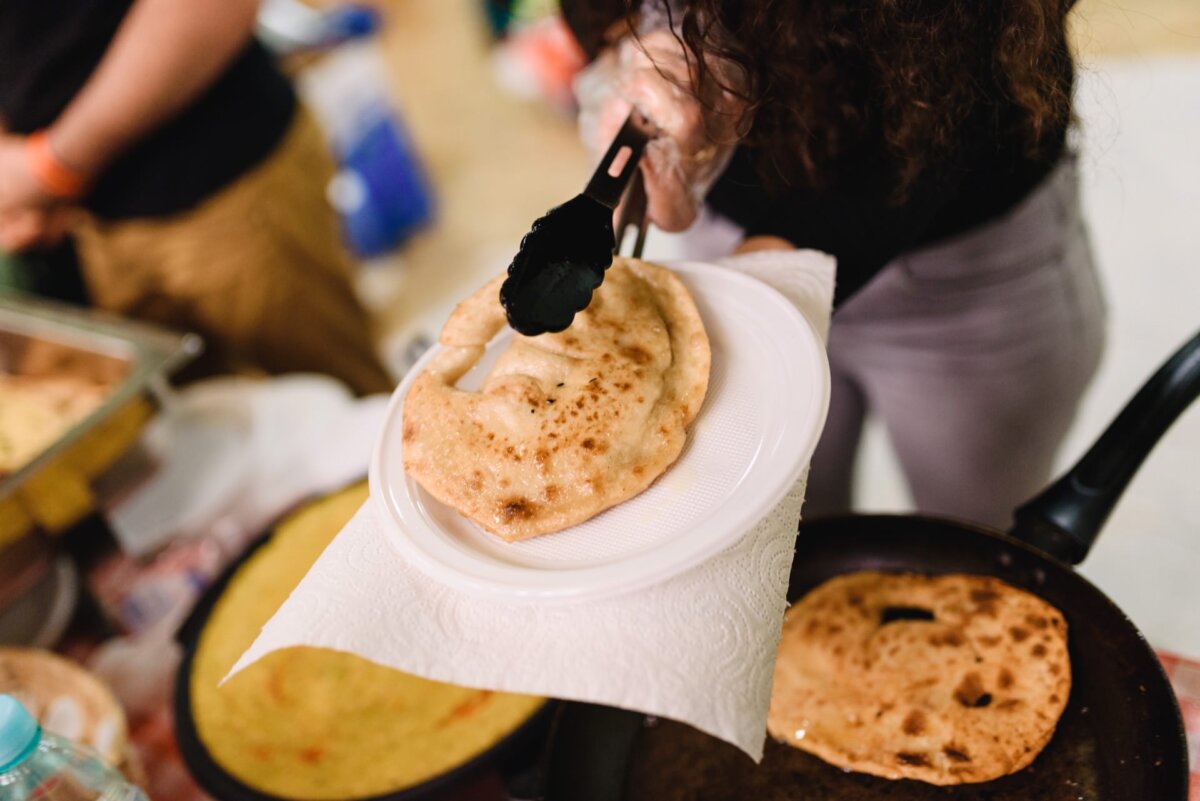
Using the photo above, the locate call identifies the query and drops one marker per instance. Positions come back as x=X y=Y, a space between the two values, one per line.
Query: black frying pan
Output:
x=510 y=756
x=1121 y=736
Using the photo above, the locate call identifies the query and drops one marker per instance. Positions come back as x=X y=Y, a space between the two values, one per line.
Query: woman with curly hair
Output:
x=923 y=143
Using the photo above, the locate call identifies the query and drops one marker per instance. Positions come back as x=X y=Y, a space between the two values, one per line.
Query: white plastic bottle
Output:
x=36 y=764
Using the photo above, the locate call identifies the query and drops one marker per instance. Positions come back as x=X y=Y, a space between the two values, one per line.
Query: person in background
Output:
x=924 y=145
x=164 y=138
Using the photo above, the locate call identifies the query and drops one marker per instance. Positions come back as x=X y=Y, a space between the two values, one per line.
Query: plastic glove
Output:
x=698 y=126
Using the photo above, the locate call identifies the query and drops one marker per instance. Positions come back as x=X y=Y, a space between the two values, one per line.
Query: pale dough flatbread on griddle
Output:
x=566 y=425
x=968 y=696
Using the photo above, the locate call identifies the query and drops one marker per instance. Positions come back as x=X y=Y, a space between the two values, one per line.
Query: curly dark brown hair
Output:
x=825 y=77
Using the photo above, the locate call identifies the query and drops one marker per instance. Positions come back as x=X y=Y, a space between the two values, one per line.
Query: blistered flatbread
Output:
x=946 y=679
x=565 y=425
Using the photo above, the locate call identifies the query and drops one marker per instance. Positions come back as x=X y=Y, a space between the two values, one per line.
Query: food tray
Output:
x=42 y=338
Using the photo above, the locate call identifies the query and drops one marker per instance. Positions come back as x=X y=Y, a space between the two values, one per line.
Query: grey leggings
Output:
x=974 y=353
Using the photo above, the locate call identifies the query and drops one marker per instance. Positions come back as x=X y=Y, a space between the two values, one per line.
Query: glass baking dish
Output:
x=51 y=490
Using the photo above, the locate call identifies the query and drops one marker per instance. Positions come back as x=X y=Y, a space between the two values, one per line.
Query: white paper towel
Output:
x=698 y=648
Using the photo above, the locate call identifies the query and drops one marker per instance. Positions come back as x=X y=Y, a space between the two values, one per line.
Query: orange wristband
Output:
x=55 y=177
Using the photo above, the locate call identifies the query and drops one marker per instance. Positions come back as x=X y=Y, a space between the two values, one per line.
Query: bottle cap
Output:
x=19 y=733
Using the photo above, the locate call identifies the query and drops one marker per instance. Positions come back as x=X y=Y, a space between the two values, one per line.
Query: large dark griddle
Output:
x=1121 y=737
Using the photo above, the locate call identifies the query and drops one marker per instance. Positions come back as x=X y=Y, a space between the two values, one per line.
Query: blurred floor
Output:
x=498 y=162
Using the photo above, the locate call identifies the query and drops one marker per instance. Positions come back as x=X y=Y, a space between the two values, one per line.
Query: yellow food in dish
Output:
x=36 y=410
x=311 y=724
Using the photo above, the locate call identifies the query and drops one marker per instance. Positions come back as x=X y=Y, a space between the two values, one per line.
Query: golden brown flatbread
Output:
x=567 y=424
x=310 y=724
x=866 y=682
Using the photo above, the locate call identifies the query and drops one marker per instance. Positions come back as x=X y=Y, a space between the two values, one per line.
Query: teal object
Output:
x=41 y=766
x=19 y=733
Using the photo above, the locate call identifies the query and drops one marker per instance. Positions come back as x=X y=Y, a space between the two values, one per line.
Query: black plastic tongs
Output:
x=562 y=259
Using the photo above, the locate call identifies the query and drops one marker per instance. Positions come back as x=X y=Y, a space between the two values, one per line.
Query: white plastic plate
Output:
x=767 y=398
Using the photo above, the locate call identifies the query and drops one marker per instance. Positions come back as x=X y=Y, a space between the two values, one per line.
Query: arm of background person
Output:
x=165 y=54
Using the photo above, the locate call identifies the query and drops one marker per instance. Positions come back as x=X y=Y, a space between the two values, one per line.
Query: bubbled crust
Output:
x=568 y=424
x=970 y=695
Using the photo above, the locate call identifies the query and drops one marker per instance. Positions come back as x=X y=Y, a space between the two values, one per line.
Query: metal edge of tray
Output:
x=151 y=352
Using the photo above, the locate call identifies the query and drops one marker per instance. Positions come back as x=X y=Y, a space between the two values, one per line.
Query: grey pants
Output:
x=974 y=353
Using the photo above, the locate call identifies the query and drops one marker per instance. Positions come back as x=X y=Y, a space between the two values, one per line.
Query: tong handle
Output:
x=633 y=215
x=607 y=189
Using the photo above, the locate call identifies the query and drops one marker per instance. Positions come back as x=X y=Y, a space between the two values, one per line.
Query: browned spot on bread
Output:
x=517 y=509
x=984 y=596
x=635 y=354
x=952 y=638
x=312 y=755
x=588 y=444
x=466 y=709
x=1006 y=678
x=956 y=753
x=410 y=431
x=551 y=492
x=1018 y=634
x=1009 y=703
x=985 y=602
x=909 y=758
x=541 y=456
x=914 y=722
x=1037 y=621
x=970 y=691
x=1038 y=650
x=988 y=641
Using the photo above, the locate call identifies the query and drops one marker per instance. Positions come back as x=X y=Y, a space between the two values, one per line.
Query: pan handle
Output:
x=1066 y=518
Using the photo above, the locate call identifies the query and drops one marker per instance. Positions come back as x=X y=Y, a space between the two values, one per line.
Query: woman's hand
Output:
x=698 y=126
x=28 y=215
